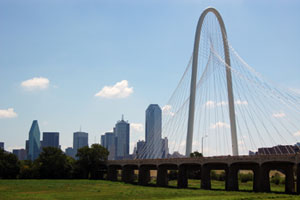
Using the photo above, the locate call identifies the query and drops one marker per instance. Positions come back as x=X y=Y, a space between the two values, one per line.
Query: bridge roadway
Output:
x=259 y=164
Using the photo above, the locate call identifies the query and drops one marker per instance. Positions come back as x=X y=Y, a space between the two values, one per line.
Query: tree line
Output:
x=53 y=163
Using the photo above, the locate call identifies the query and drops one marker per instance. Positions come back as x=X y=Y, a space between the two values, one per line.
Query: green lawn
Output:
x=89 y=189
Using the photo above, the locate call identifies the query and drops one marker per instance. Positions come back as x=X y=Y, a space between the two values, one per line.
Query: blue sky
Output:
x=82 y=46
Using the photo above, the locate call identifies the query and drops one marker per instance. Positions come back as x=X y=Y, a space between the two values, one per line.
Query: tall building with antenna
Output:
x=122 y=131
x=80 y=139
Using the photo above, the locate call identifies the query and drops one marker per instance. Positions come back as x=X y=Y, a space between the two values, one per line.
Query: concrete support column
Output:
x=298 y=179
x=128 y=175
x=256 y=179
x=262 y=179
x=205 y=178
x=182 y=179
x=162 y=177
x=144 y=176
x=289 y=179
x=232 y=179
x=112 y=174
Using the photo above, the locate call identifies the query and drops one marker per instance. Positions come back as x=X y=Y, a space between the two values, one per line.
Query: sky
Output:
x=81 y=64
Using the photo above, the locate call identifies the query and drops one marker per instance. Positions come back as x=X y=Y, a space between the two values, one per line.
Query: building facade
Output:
x=80 y=139
x=34 y=143
x=153 y=131
x=108 y=140
x=140 y=149
x=122 y=131
x=70 y=152
x=51 y=139
x=20 y=153
x=277 y=150
x=165 y=148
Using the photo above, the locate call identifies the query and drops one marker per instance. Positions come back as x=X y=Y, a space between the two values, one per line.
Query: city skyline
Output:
x=52 y=101
x=146 y=99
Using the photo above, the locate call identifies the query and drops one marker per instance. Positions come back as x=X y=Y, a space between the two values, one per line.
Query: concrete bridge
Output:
x=260 y=165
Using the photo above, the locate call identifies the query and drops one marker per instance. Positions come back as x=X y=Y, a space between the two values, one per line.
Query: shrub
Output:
x=276 y=179
x=213 y=175
x=244 y=178
x=172 y=175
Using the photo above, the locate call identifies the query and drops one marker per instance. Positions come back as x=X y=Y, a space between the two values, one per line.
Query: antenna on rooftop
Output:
x=122 y=117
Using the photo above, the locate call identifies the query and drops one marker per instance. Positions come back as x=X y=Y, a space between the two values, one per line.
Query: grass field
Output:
x=98 y=189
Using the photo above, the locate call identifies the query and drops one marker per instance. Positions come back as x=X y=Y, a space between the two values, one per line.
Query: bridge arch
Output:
x=189 y=140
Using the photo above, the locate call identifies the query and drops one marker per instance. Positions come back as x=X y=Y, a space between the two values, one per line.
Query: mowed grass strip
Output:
x=98 y=189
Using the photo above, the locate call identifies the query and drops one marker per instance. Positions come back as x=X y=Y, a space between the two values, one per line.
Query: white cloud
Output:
x=196 y=143
x=11 y=148
x=210 y=104
x=239 y=102
x=36 y=83
x=9 y=113
x=296 y=90
x=182 y=144
x=45 y=123
x=222 y=103
x=219 y=125
x=137 y=127
x=279 y=115
x=119 y=90
x=241 y=142
x=297 y=133
x=166 y=110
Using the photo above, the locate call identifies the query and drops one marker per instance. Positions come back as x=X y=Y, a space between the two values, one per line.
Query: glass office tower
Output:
x=153 y=132
x=34 y=143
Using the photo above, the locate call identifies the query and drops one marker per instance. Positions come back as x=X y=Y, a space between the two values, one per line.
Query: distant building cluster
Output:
x=33 y=146
x=277 y=150
x=117 y=141
x=154 y=146
x=80 y=139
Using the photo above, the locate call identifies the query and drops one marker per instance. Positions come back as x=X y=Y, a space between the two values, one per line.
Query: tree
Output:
x=53 y=164
x=29 y=169
x=196 y=154
x=90 y=160
x=9 y=165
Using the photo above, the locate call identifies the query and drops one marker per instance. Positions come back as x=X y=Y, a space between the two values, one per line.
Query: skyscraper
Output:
x=51 y=139
x=20 y=153
x=103 y=141
x=34 y=143
x=80 y=139
x=122 y=139
x=2 y=145
x=70 y=152
x=140 y=149
x=153 y=132
x=165 y=148
x=109 y=142
x=27 y=148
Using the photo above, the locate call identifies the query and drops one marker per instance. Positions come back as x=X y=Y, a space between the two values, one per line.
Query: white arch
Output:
x=189 y=139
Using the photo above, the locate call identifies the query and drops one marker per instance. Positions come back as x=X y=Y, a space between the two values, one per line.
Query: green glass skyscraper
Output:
x=34 y=141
